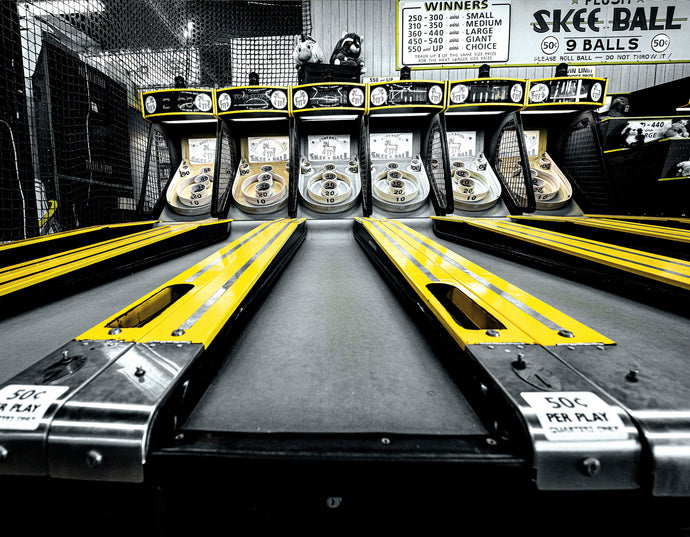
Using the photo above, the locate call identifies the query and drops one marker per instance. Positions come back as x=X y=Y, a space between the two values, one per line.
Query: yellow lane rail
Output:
x=21 y=250
x=473 y=305
x=195 y=305
x=676 y=221
x=24 y=275
x=112 y=385
x=667 y=270
x=612 y=224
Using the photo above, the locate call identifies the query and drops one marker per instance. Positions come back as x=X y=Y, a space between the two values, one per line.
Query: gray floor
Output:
x=332 y=350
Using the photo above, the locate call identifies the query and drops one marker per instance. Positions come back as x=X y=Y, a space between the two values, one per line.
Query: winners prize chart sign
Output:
x=444 y=34
x=434 y=35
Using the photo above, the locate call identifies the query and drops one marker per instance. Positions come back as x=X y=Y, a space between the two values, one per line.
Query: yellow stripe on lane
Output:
x=636 y=228
x=521 y=317
x=44 y=239
x=195 y=305
x=664 y=269
x=24 y=275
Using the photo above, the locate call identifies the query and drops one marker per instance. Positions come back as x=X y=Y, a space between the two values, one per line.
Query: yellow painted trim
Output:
x=359 y=109
x=238 y=266
x=636 y=228
x=52 y=236
x=517 y=106
x=228 y=88
x=496 y=296
x=210 y=114
x=24 y=275
x=679 y=178
x=636 y=217
x=254 y=111
x=668 y=270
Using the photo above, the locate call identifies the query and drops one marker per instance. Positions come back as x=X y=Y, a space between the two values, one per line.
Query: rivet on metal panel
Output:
x=4 y=453
x=114 y=331
x=178 y=332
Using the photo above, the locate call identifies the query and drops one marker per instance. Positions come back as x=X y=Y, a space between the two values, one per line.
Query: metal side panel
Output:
x=30 y=400
x=102 y=432
x=122 y=253
x=655 y=392
x=582 y=439
x=20 y=251
x=623 y=226
x=662 y=240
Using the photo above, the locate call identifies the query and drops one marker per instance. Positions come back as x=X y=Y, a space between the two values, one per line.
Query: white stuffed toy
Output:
x=683 y=169
x=307 y=51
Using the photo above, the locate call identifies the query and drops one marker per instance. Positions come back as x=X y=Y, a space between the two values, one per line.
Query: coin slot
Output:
x=150 y=308
x=465 y=311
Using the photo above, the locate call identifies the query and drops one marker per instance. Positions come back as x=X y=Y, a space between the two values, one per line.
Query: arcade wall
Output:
x=375 y=20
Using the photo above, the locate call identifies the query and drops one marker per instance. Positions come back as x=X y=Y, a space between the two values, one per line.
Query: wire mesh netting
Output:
x=511 y=167
x=73 y=138
x=582 y=158
x=437 y=168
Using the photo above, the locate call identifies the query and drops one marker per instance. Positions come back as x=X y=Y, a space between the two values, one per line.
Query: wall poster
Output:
x=468 y=33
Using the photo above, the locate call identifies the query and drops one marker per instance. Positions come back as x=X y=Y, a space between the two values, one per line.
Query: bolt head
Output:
x=590 y=466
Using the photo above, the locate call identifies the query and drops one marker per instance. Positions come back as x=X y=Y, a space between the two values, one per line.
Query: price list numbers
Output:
x=448 y=33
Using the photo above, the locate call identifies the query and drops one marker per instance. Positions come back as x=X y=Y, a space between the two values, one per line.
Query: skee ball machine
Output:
x=253 y=149
x=407 y=148
x=178 y=178
x=646 y=152
x=479 y=113
x=551 y=104
x=328 y=122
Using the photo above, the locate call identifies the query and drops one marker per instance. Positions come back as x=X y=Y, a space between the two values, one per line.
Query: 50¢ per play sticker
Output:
x=575 y=416
x=22 y=406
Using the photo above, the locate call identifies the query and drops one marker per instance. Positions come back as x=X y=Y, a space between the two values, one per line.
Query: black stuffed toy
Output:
x=347 y=51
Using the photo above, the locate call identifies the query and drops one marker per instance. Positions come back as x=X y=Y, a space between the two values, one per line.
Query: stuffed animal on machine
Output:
x=307 y=51
x=347 y=51
x=683 y=169
x=677 y=129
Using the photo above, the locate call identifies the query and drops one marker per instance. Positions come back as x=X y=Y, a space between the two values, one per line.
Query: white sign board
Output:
x=573 y=416
x=23 y=406
x=469 y=33
x=430 y=35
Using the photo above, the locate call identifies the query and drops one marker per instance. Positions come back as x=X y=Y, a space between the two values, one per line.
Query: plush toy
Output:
x=677 y=129
x=620 y=106
x=347 y=51
x=683 y=169
x=307 y=51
